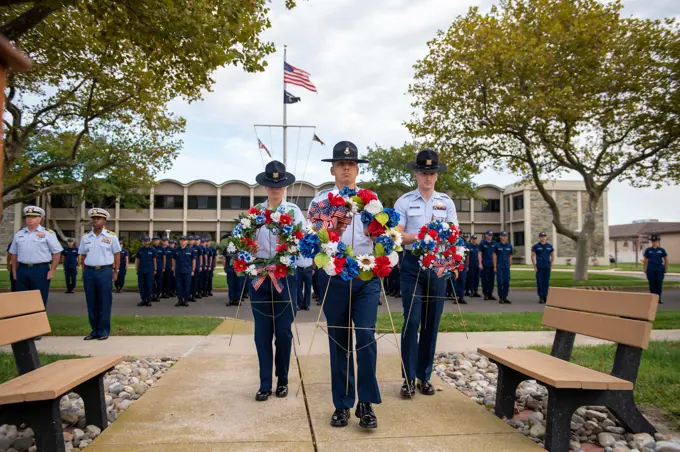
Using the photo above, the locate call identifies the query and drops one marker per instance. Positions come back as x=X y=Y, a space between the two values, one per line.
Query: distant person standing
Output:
x=69 y=259
x=146 y=269
x=122 y=271
x=486 y=253
x=542 y=256
x=502 y=260
x=655 y=266
x=473 y=271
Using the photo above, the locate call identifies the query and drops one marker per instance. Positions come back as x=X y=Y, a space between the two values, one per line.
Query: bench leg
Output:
x=508 y=380
x=92 y=393
x=561 y=406
x=46 y=422
x=26 y=356
x=622 y=404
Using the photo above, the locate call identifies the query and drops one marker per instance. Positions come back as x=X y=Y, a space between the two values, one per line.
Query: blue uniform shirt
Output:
x=124 y=255
x=35 y=247
x=70 y=257
x=543 y=253
x=184 y=258
x=474 y=257
x=168 y=252
x=654 y=258
x=268 y=241
x=160 y=254
x=503 y=252
x=146 y=255
x=99 y=250
x=213 y=254
x=414 y=211
x=487 y=249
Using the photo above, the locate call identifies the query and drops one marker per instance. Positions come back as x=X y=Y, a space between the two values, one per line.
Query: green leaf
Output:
x=350 y=251
x=366 y=275
x=379 y=249
x=359 y=201
x=321 y=260
x=382 y=218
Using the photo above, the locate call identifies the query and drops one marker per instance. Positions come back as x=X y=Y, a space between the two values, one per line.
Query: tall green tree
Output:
x=545 y=87
x=108 y=68
x=390 y=178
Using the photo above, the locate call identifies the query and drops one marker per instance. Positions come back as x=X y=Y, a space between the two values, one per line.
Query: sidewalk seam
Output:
x=304 y=395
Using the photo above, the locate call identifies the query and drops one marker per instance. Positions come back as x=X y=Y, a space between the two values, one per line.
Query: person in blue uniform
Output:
x=36 y=252
x=424 y=293
x=274 y=311
x=100 y=261
x=487 y=249
x=122 y=270
x=473 y=268
x=315 y=285
x=655 y=266
x=350 y=302
x=183 y=267
x=502 y=260
x=542 y=256
x=395 y=278
x=145 y=261
x=160 y=268
x=166 y=251
x=304 y=279
x=173 y=247
x=12 y=281
x=69 y=260
x=211 y=268
x=459 y=282
x=232 y=280
x=207 y=265
x=197 y=274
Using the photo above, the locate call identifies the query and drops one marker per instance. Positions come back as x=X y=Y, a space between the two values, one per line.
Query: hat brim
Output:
x=437 y=169
x=33 y=214
x=262 y=180
x=98 y=215
x=346 y=159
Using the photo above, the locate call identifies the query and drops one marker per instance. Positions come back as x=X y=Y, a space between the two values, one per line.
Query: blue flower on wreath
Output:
x=386 y=242
x=346 y=191
x=460 y=242
x=293 y=261
x=259 y=219
x=238 y=230
x=309 y=245
x=342 y=248
x=350 y=270
x=366 y=218
x=394 y=217
x=288 y=229
x=245 y=256
x=444 y=235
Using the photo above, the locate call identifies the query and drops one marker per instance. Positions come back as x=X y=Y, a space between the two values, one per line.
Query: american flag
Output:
x=261 y=145
x=298 y=77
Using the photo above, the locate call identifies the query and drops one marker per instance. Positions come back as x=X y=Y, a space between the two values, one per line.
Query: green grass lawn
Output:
x=658 y=382
x=132 y=325
x=672 y=268
x=8 y=368
x=506 y=321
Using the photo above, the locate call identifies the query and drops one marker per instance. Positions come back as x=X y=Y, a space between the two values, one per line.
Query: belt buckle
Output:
x=97 y=267
x=30 y=265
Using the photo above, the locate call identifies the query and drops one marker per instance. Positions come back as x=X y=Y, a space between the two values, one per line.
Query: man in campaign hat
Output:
x=542 y=256
x=655 y=266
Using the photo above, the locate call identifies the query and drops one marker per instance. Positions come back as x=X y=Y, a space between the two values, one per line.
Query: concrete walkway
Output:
x=206 y=402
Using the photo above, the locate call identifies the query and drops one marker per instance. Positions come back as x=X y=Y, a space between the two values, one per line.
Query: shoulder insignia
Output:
x=50 y=230
x=111 y=232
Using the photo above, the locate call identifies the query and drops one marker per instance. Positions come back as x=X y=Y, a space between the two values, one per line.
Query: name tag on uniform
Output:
x=439 y=213
x=415 y=211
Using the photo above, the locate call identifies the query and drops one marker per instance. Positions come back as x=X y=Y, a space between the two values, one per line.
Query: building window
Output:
x=168 y=202
x=491 y=205
x=235 y=202
x=259 y=200
x=518 y=238
x=462 y=205
x=62 y=201
x=507 y=204
x=202 y=202
x=303 y=202
x=518 y=202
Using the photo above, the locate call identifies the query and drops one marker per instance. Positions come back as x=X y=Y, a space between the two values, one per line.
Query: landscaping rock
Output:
x=668 y=446
x=22 y=444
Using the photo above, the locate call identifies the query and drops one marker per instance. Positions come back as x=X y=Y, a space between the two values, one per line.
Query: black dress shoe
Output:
x=178 y=304
x=141 y=303
x=500 y=300
x=103 y=338
x=198 y=297
x=262 y=396
x=426 y=388
x=408 y=389
x=506 y=301
x=340 y=417
x=476 y=295
x=660 y=301
x=462 y=301
x=307 y=307
x=318 y=303
x=192 y=299
x=491 y=297
x=90 y=336
x=366 y=415
x=486 y=297
x=282 y=391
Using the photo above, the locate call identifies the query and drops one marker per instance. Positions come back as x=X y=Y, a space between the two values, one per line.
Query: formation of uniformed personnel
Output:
x=100 y=261
x=655 y=266
x=486 y=256
x=69 y=260
x=542 y=256
x=473 y=268
x=423 y=292
x=122 y=270
x=166 y=251
x=304 y=280
x=502 y=260
x=160 y=268
x=235 y=283
x=460 y=281
x=274 y=311
x=183 y=268
x=362 y=297
x=145 y=261
x=36 y=252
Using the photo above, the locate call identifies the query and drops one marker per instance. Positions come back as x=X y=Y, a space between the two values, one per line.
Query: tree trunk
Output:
x=585 y=236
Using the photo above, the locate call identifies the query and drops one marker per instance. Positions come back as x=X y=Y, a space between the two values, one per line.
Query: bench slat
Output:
x=55 y=379
x=18 y=329
x=641 y=306
x=554 y=371
x=13 y=304
x=635 y=333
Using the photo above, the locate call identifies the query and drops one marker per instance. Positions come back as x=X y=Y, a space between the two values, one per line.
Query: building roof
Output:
x=643 y=229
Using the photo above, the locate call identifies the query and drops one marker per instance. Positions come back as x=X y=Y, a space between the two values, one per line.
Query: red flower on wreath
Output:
x=253 y=211
x=457 y=258
x=240 y=265
x=375 y=228
x=298 y=234
x=382 y=266
x=434 y=234
x=281 y=271
x=339 y=264
x=267 y=216
x=366 y=196
x=428 y=259
x=285 y=219
x=336 y=200
x=447 y=253
x=281 y=247
x=333 y=236
x=452 y=239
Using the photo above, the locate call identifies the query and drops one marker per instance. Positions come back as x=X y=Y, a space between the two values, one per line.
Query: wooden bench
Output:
x=621 y=317
x=33 y=397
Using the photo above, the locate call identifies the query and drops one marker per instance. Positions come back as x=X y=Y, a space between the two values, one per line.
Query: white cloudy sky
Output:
x=360 y=55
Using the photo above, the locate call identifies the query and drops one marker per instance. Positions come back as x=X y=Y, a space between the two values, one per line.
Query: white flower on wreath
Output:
x=374 y=207
x=285 y=260
x=445 y=226
x=353 y=206
x=252 y=270
x=330 y=248
x=394 y=258
x=329 y=268
x=428 y=238
x=245 y=222
x=395 y=235
x=461 y=250
x=276 y=216
x=308 y=227
x=292 y=249
x=366 y=262
x=231 y=248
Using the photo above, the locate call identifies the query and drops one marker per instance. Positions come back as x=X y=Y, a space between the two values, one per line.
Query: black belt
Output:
x=97 y=267
x=304 y=268
x=42 y=264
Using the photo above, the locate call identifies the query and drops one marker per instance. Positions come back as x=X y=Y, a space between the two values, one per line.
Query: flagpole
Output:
x=285 y=127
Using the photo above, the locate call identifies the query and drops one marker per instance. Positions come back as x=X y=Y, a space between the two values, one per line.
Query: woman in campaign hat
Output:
x=274 y=311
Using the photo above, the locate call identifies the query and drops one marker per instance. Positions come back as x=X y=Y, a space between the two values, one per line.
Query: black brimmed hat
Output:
x=275 y=175
x=426 y=161
x=345 y=151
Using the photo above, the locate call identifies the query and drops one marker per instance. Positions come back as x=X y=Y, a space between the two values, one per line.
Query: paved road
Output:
x=125 y=303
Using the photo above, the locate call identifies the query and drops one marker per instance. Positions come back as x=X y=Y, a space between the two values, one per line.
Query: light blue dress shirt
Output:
x=266 y=239
x=414 y=211
x=99 y=250
x=35 y=247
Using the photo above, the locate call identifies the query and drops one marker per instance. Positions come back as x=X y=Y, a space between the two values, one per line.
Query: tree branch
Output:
x=35 y=172
x=43 y=191
x=86 y=128
x=14 y=29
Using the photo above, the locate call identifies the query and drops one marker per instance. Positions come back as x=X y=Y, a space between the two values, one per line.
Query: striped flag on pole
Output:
x=298 y=77
x=261 y=145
